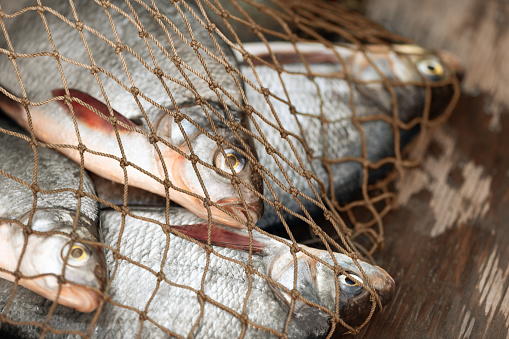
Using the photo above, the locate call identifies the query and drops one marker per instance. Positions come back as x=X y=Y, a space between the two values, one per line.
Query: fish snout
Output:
x=453 y=62
x=236 y=207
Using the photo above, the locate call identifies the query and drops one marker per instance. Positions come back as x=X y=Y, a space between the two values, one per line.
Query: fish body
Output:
x=177 y=288
x=27 y=244
x=323 y=108
x=169 y=101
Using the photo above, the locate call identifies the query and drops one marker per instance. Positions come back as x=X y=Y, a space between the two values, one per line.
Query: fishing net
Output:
x=350 y=225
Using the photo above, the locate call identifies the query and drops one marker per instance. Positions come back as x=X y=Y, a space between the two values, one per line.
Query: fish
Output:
x=44 y=238
x=147 y=102
x=166 y=284
x=306 y=114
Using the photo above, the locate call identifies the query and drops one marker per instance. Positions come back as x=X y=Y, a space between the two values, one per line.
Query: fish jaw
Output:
x=82 y=298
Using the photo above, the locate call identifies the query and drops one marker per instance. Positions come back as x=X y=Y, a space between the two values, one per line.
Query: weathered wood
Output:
x=476 y=30
x=447 y=244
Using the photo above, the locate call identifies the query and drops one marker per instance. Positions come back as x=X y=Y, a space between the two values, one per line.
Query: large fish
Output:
x=306 y=113
x=38 y=236
x=170 y=88
x=164 y=285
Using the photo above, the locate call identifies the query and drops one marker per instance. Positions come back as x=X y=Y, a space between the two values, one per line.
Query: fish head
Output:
x=318 y=281
x=409 y=69
x=224 y=169
x=73 y=272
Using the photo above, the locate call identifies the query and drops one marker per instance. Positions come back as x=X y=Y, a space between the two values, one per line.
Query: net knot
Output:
x=143 y=33
x=235 y=180
x=2 y=14
x=269 y=149
x=27 y=231
x=82 y=148
x=94 y=70
x=152 y=139
x=284 y=134
x=157 y=15
x=219 y=140
x=292 y=109
x=213 y=85
x=248 y=109
x=225 y=14
x=11 y=56
x=201 y=294
x=79 y=25
x=294 y=249
x=119 y=47
x=307 y=174
x=80 y=194
x=17 y=275
x=40 y=9
x=294 y=294
x=338 y=270
x=206 y=202
x=265 y=91
x=35 y=187
x=294 y=191
x=74 y=236
x=160 y=276
x=278 y=205
x=135 y=91
x=327 y=215
x=143 y=316
x=211 y=27
x=124 y=210
x=124 y=163
x=176 y=60
x=105 y=4
x=194 y=44
x=250 y=270
x=167 y=183
x=158 y=72
x=244 y=319
x=193 y=158
x=178 y=117
x=25 y=102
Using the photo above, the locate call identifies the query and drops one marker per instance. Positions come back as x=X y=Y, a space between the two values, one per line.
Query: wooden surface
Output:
x=447 y=244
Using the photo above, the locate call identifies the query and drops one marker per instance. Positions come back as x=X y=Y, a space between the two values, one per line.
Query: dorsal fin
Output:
x=89 y=117
x=219 y=237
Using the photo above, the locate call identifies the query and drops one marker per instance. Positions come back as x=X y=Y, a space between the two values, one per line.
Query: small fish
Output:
x=163 y=279
x=169 y=102
x=322 y=133
x=36 y=237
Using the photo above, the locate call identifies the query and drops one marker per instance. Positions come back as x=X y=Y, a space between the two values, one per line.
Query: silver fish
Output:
x=27 y=244
x=164 y=289
x=325 y=130
x=165 y=92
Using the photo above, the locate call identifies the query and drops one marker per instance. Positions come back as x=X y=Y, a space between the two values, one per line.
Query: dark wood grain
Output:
x=447 y=244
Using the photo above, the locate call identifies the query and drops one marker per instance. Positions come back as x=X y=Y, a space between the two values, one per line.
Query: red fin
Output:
x=294 y=58
x=90 y=118
x=219 y=237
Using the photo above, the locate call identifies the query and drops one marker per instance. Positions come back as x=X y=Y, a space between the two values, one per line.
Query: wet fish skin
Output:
x=226 y=282
x=324 y=114
x=52 y=122
x=85 y=270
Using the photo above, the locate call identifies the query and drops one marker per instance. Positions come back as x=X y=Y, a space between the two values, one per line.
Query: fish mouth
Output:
x=82 y=298
x=235 y=207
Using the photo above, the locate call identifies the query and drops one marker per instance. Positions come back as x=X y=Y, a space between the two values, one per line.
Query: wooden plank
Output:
x=447 y=244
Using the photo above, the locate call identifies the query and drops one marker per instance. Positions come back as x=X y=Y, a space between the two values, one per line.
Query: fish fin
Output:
x=89 y=117
x=219 y=237
x=286 y=53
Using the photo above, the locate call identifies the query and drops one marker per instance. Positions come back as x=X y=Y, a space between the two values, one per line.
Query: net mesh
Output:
x=350 y=226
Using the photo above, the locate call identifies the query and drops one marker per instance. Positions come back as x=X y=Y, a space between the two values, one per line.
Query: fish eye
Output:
x=431 y=69
x=350 y=285
x=233 y=158
x=78 y=255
